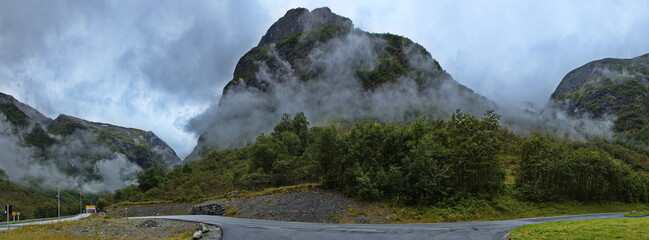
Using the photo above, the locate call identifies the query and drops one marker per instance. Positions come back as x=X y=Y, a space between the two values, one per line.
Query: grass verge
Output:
x=623 y=228
x=91 y=228
x=637 y=214
x=45 y=232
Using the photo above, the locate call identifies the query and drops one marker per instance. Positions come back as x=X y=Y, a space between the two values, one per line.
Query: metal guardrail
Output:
x=37 y=220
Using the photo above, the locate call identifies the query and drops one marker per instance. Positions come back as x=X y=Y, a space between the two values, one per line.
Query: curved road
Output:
x=238 y=228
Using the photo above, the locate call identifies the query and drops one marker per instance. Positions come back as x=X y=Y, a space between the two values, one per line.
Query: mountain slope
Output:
x=316 y=62
x=72 y=152
x=143 y=148
x=21 y=199
x=617 y=87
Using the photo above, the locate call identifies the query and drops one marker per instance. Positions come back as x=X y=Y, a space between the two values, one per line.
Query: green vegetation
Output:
x=628 y=99
x=465 y=168
x=501 y=207
x=39 y=138
x=14 y=115
x=585 y=229
x=131 y=142
x=441 y=160
x=65 y=125
x=553 y=171
x=33 y=203
x=391 y=64
x=21 y=198
x=293 y=49
x=637 y=214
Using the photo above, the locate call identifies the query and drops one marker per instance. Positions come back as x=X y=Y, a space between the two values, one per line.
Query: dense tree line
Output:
x=425 y=161
x=550 y=170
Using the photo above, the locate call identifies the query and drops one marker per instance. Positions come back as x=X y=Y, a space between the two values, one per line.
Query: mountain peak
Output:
x=300 y=19
x=317 y=63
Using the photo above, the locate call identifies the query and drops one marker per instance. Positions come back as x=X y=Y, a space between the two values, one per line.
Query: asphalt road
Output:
x=55 y=220
x=238 y=228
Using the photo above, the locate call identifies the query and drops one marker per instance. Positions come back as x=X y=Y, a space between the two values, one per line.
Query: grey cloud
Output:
x=155 y=64
x=127 y=63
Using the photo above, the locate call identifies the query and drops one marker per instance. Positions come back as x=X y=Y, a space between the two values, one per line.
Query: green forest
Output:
x=423 y=162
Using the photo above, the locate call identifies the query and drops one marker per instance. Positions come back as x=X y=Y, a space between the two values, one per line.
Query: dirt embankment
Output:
x=305 y=205
x=149 y=210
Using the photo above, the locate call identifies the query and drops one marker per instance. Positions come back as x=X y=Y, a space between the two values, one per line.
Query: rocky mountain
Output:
x=75 y=151
x=617 y=88
x=318 y=63
x=141 y=147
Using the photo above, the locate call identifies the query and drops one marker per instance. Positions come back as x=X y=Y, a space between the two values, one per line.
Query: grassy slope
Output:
x=23 y=200
x=585 y=229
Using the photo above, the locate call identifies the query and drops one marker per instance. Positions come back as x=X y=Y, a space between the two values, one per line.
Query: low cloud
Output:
x=336 y=93
x=76 y=163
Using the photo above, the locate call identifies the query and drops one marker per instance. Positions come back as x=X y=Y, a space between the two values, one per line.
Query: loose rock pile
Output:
x=207 y=232
x=210 y=209
x=148 y=224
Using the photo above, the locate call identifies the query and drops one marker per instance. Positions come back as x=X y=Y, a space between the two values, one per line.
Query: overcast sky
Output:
x=155 y=64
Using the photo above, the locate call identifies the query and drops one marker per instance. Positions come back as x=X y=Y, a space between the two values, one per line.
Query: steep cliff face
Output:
x=613 y=87
x=316 y=62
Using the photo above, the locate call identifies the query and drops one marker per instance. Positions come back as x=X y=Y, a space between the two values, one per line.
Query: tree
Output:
x=475 y=143
x=265 y=151
x=301 y=129
x=150 y=178
x=428 y=169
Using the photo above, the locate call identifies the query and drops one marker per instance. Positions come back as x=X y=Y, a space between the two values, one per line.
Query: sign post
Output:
x=8 y=210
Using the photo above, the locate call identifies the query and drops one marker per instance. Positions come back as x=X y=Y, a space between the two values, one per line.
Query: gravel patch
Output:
x=312 y=205
x=320 y=206
x=150 y=210
x=127 y=229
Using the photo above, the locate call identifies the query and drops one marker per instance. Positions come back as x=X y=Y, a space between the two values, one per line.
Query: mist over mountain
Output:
x=316 y=62
x=610 y=88
x=72 y=153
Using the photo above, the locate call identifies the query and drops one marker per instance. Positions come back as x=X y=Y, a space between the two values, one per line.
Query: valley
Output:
x=327 y=130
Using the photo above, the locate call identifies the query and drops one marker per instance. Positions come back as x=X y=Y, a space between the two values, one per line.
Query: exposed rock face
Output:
x=209 y=209
x=618 y=87
x=300 y=19
x=316 y=62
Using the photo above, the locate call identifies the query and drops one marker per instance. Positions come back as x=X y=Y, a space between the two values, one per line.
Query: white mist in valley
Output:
x=70 y=163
